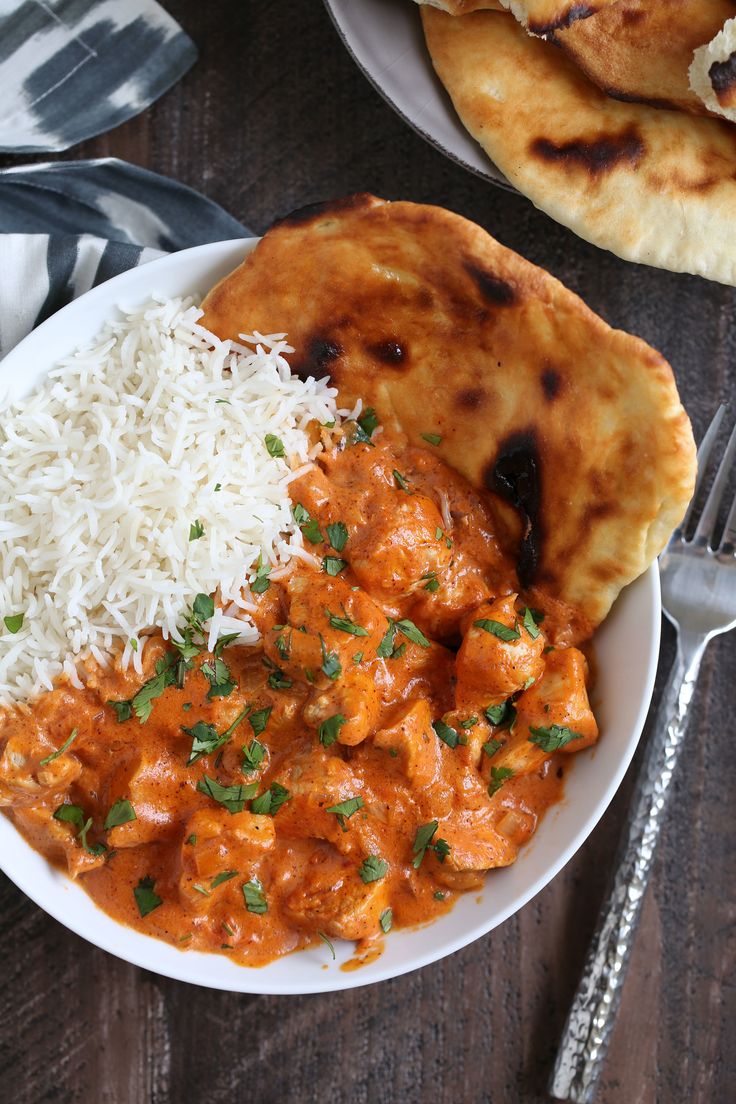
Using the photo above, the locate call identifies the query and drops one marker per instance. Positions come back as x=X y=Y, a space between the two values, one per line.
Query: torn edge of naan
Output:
x=713 y=72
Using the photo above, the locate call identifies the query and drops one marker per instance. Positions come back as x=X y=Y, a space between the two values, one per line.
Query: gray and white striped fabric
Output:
x=71 y=69
x=66 y=227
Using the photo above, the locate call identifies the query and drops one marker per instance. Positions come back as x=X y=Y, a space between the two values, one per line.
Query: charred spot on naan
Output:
x=493 y=289
x=515 y=474
x=598 y=155
x=389 y=352
x=323 y=211
x=551 y=383
x=723 y=78
x=564 y=19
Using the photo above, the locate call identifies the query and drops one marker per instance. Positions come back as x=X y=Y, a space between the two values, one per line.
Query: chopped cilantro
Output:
x=145 y=898
x=255 y=898
x=448 y=735
x=253 y=756
x=344 y=624
x=495 y=628
x=552 y=738
x=205 y=738
x=490 y=747
x=74 y=814
x=423 y=843
x=438 y=895
x=498 y=776
x=530 y=624
x=432 y=438
x=224 y=876
x=372 y=869
x=386 y=919
x=261 y=582
x=122 y=812
x=259 y=720
x=337 y=535
x=345 y=809
x=196 y=530
x=328 y=944
x=400 y=481
x=275 y=446
x=331 y=665
x=64 y=747
x=333 y=565
x=365 y=426
x=232 y=797
x=411 y=632
x=271 y=800
x=308 y=525
x=220 y=679
x=329 y=730
x=14 y=622
x=432 y=583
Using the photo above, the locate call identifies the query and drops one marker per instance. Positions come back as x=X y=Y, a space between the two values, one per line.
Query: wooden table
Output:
x=275 y=115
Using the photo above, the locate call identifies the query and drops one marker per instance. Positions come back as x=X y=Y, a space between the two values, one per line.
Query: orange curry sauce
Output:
x=401 y=679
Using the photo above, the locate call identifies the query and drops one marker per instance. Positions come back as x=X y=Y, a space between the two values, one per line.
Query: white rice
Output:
x=104 y=469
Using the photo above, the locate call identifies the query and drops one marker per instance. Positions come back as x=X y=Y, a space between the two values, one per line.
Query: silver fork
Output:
x=699 y=598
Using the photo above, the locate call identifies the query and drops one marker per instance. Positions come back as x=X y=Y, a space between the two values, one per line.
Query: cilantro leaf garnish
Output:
x=372 y=869
x=331 y=665
x=74 y=814
x=253 y=756
x=14 y=622
x=328 y=944
x=386 y=919
x=224 y=876
x=345 y=809
x=400 y=481
x=123 y=710
x=495 y=628
x=448 y=735
x=122 y=812
x=308 y=525
x=333 y=565
x=432 y=438
x=490 y=747
x=386 y=647
x=275 y=446
x=337 y=534
x=206 y=739
x=411 y=632
x=259 y=719
x=271 y=800
x=502 y=716
x=220 y=679
x=530 y=624
x=432 y=583
x=344 y=624
x=365 y=426
x=499 y=775
x=552 y=738
x=261 y=582
x=145 y=898
x=203 y=607
x=255 y=898
x=329 y=730
x=423 y=843
x=196 y=530
x=232 y=797
x=64 y=747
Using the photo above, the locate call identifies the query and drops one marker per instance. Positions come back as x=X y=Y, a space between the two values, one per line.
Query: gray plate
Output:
x=386 y=41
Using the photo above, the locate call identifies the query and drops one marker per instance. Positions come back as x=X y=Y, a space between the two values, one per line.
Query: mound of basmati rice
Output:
x=108 y=473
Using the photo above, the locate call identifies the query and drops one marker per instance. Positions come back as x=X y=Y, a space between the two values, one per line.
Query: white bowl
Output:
x=386 y=41
x=626 y=648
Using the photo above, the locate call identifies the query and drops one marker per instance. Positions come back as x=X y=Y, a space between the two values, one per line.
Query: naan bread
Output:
x=428 y=319
x=462 y=7
x=642 y=49
x=713 y=72
x=542 y=16
x=652 y=186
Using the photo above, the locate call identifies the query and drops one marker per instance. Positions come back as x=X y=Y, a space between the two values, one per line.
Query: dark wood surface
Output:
x=275 y=115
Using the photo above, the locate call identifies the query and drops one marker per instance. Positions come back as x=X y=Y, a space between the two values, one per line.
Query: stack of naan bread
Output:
x=613 y=116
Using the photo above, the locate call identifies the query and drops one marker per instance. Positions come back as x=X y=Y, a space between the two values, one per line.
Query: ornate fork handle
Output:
x=587 y=1033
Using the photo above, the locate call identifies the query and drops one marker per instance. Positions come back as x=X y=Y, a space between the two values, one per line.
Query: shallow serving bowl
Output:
x=386 y=41
x=627 y=647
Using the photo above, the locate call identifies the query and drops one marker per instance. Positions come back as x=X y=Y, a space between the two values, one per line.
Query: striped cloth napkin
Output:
x=71 y=69
x=67 y=226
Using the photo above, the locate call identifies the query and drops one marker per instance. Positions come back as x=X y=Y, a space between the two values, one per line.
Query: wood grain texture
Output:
x=275 y=115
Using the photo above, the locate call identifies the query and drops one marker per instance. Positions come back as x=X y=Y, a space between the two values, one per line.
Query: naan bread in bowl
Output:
x=653 y=186
x=425 y=317
x=642 y=49
x=540 y=17
x=713 y=72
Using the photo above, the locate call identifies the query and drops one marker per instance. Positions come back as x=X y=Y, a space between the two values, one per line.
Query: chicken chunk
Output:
x=215 y=842
x=333 y=899
x=490 y=668
x=412 y=737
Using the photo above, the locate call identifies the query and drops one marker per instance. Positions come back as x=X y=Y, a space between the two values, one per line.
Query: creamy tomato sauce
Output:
x=400 y=731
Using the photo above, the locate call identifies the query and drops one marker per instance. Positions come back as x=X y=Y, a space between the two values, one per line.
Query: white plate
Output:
x=386 y=41
x=626 y=647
